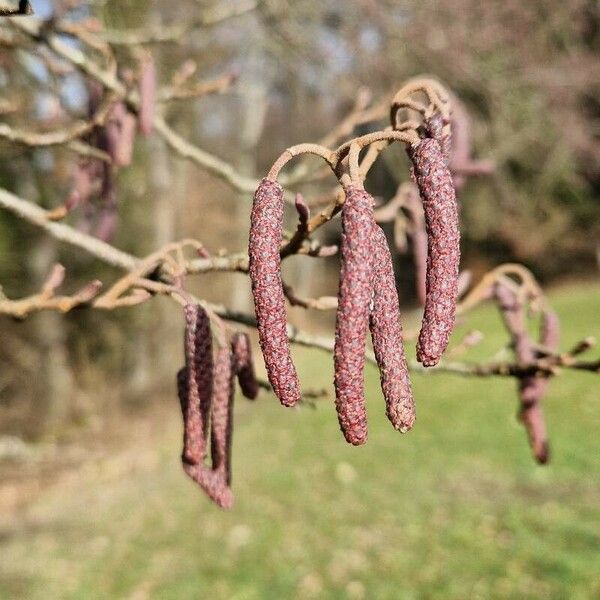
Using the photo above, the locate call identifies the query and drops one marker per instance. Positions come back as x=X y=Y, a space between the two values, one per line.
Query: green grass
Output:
x=455 y=509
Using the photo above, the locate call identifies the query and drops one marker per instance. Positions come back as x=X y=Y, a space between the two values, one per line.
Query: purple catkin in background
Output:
x=419 y=242
x=244 y=365
x=108 y=217
x=532 y=391
x=86 y=173
x=441 y=219
x=462 y=164
x=352 y=318
x=550 y=330
x=199 y=369
x=386 y=332
x=531 y=388
x=107 y=222
x=266 y=224
x=147 y=95
x=120 y=134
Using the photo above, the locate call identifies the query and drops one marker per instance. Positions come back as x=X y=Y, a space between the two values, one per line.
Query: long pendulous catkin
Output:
x=120 y=134
x=265 y=273
x=222 y=413
x=212 y=482
x=352 y=318
x=386 y=332
x=147 y=87
x=199 y=372
x=244 y=365
x=441 y=219
x=205 y=388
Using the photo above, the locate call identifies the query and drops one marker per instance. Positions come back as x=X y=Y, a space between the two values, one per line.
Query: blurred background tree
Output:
x=526 y=73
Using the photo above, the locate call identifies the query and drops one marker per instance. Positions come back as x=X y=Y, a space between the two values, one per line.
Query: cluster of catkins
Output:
x=531 y=387
x=116 y=137
x=367 y=297
x=206 y=386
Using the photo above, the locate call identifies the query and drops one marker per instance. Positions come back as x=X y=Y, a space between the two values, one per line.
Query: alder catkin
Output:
x=85 y=175
x=441 y=220
x=386 y=332
x=265 y=273
x=120 y=134
x=352 y=318
x=222 y=413
x=205 y=389
x=199 y=370
x=147 y=95
x=550 y=330
x=531 y=388
x=212 y=483
x=244 y=365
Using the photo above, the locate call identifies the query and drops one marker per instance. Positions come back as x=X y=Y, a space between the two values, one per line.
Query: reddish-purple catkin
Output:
x=147 y=95
x=107 y=221
x=84 y=177
x=222 y=413
x=266 y=224
x=202 y=389
x=531 y=392
x=386 y=332
x=550 y=330
x=352 y=318
x=212 y=483
x=199 y=369
x=531 y=388
x=120 y=134
x=443 y=257
x=244 y=365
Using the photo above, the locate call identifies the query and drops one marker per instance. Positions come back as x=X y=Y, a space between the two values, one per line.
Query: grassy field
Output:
x=455 y=509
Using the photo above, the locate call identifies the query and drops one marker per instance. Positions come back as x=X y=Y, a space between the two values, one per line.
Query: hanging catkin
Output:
x=267 y=289
x=441 y=219
x=531 y=388
x=244 y=365
x=147 y=90
x=222 y=413
x=386 y=332
x=352 y=318
x=120 y=134
x=199 y=372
